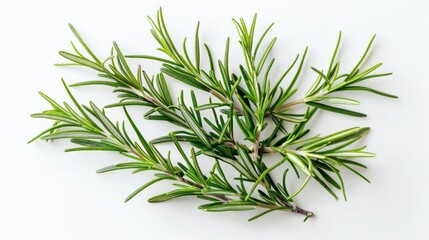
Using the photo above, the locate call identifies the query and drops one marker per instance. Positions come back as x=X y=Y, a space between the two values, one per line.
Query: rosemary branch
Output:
x=247 y=100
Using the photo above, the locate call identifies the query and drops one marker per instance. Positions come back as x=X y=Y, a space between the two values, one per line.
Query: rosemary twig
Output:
x=247 y=100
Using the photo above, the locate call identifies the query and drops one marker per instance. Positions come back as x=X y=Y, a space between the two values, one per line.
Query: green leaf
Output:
x=72 y=134
x=122 y=166
x=79 y=38
x=243 y=152
x=139 y=135
x=174 y=194
x=153 y=58
x=355 y=69
x=336 y=137
x=324 y=77
x=298 y=72
x=111 y=128
x=232 y=206
x=265 y=55
x=54 y=104
x=95 y=82
x=297 y=161
x=197 y=48
x=194 y=126
x=274 y=90
x=367 y=89
x=94 y=145
x=224 y=129
x=335 y=109
x=81 y=61
x=180 y=138
x=359 y=76
x=329 y=179
x=334 y=55
x=326 y=187
x=357 y=173
x=145 y=186
x=210 y=106
x=56 y=117
x=262 y=176
x=294 y=160
x=79 y=107
x=350 y=154
x=345 y=161
x=289 y=118
x=130 y=103
x=178 y=74
x=268 y=211
x=163 y=89
x=51 y=129
x=342 y=100
x=196 y=166
x=123 y=62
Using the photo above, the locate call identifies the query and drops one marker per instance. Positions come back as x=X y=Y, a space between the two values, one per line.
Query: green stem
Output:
x=256 y=146
x=303 y=212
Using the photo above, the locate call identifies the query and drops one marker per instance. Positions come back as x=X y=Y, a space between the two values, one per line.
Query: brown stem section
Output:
x=303 y=212
x=256 y=146
x=268 y=150
x=294 y=209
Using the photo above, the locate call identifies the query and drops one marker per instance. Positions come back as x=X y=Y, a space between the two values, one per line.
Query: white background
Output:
x=48 y=194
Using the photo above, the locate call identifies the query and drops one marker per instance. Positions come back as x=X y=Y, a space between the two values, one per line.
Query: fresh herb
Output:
x=250 y=100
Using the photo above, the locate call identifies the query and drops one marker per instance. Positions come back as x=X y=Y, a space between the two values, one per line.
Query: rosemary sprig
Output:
x=246 y=99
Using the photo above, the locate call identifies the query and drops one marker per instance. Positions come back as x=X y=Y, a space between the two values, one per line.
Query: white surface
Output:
x=49 y=194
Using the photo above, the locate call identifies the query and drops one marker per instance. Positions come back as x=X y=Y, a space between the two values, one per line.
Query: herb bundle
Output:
x=248 y=100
